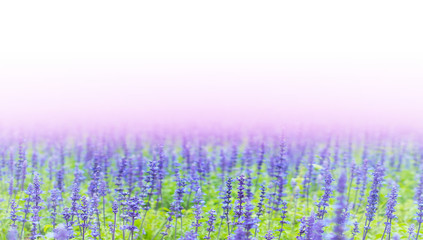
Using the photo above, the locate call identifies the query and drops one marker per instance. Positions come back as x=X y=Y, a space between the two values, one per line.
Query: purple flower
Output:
x=10 y=188
x=61 y=232
x=239 y=208
x=20 y=164
x=36 y=207
x=373 y=198
x=306 y=228
x=54 y=202
x=410 y=231
x=355 y=229
x=260 y=159
x=210 y=223
x=323 y=203
x=133 y=208
x=84 y=215
x=227 y=202
x=189 y=236
x=250 y=222
x=261 y=204
x=318 y=230
x=198 y=216
x=13 y=211
x=239 y=234
x=269 y=236
x=75 y=196
x=364 y=178
x=115 y=210
x=390 y=208
x=419 y=215
x=60 y=175
x=340 y=209
x=12 y=234
x=67 y=215
x=283 y=221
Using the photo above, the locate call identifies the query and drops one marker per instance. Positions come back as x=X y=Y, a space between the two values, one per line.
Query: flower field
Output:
x=293 y=185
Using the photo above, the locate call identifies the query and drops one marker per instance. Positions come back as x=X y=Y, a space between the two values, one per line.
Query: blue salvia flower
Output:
x=239 y=208
x=280 y=183
x=390 y=209
x=210 y=223
x=260 y=162
x=223 y=165
x=419 y=215
x=115 y=210
x=269 y=236
x=357 y=185
x=227 y=202
x=355 y=230
x=353 y=175
x=310 y=226
x=151 y=177
x=133 y=208
x=283 y=221
x=24 y=166
x=11 y=164
x=10 y=189
x=75 y=196
x=307 y=179
x=36 y=207
x=79 y=176
x=179 y=195
x=324 y=201
x=50 y=169
x=93 y=188
x=419 y=189
x=280 y=174
x=306 y=227
x=302 y=230
x=191 y=235
x=84 y=215
x=248 y=193
x=12 y=234
x=13 y=215
x=60 y=176
x=233 y=158
x=198 y=205
x=119 y=178
x=94 y=211
x=340 y=209
x=261 y=205
x=250 y=222
x=198 y=216
x=34 y=160
x=61 y=232
x=19 y=164
x=67 y=215
x=129 y=176
x=103 y=191
x=410 y=232
x=373 y=199
x=364 y=169
x=168 y=223
x=239 y=234
x=176 y=206
x=318 y=230
x=54 y=202
x=124 y=198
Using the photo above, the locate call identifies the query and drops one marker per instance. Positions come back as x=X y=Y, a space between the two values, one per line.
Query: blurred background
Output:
x=231 y=63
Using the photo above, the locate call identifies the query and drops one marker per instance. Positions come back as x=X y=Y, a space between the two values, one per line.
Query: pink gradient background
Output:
x=273 y=63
